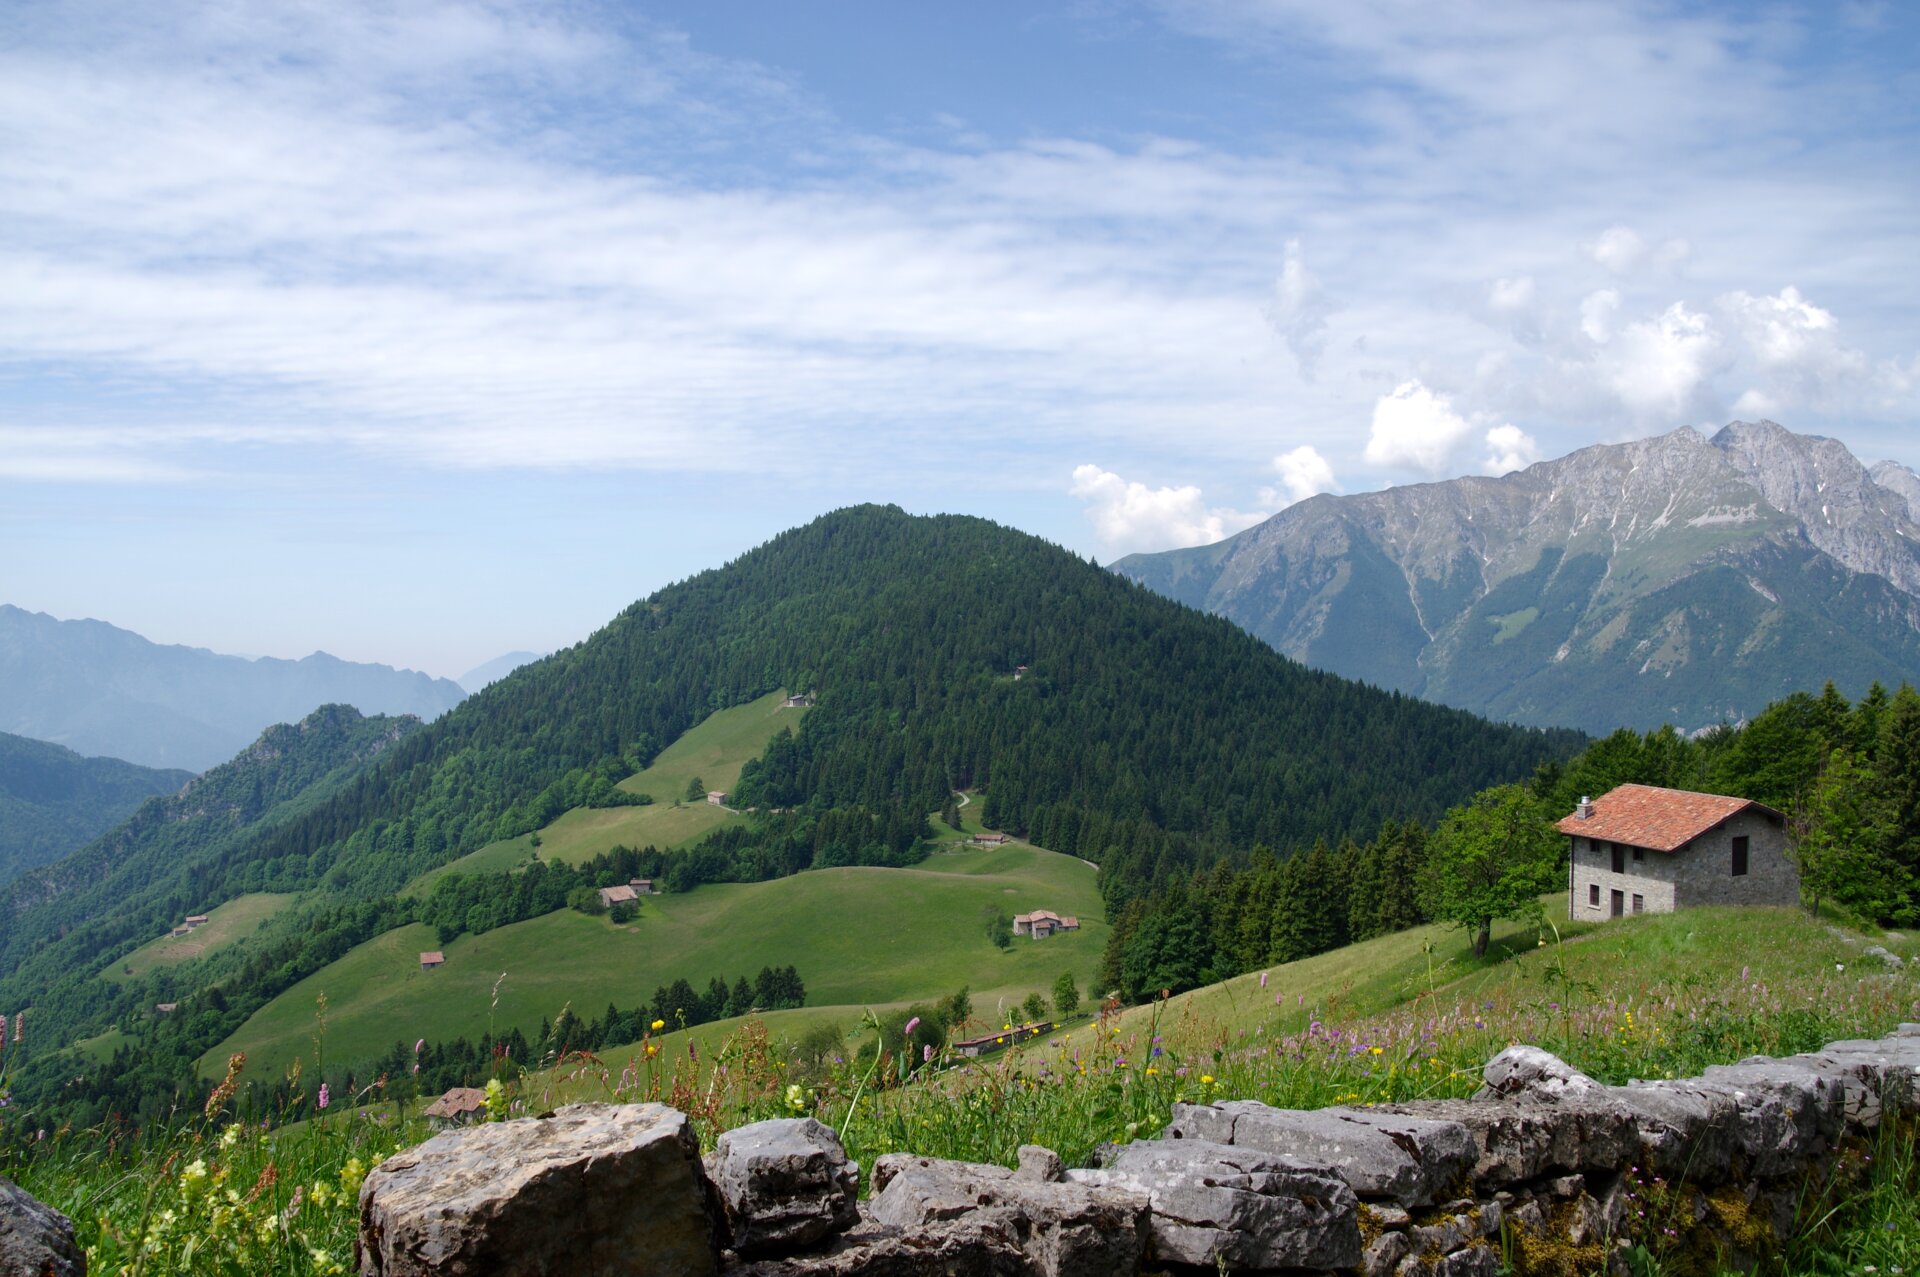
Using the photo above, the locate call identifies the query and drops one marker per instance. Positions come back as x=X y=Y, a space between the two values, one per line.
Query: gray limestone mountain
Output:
x=1675 y=579
x=102 y=690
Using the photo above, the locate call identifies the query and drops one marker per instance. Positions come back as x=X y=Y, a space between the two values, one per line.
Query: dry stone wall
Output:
x=1545 y=1166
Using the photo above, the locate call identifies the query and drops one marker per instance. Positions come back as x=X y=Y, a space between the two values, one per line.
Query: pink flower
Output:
x=912 y=1024
x=1263 y=979
x=926 y=1055
x=418 y=1046
x=325 y=1095
x=3 y=1030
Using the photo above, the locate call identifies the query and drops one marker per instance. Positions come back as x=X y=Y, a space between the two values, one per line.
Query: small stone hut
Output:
x=1643 y=849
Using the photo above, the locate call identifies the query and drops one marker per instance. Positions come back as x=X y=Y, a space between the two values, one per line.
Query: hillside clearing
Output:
x=234 y=920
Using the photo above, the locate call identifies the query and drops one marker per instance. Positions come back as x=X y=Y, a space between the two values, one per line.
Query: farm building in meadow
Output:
x=1641 y=849
x=611 y=896
x=1042 y=923
x=457 y=1107
x=641 y=886
x=990 y=840
x=196 y=920
x=718 y=797
x=428 y=961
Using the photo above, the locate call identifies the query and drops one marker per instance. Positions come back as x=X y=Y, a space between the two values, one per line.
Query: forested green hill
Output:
x=53 y=801
x=1141 y=734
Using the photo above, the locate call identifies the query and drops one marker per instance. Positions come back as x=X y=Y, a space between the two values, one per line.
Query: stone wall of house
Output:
x=1653 y=877
x=1544 y=1166
x=1705 y=874
x=1699 y=874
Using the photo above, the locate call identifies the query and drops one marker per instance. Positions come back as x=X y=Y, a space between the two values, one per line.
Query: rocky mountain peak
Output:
x=1897 y=478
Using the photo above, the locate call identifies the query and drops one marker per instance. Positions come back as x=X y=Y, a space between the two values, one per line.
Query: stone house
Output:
x=989 y=840
x=196 y=920
x=431 y=959
x=641 y=886
x=1042 y=923
x=1642 y=849
x=717 y=797
x=611 y=896
x=457 y=1107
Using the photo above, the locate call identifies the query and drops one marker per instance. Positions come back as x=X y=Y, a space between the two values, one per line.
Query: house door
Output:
x=1619 y=903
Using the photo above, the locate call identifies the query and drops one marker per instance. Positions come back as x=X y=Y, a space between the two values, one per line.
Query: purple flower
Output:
x=912 y=1024
x=326 y=1096
x=1263 y=979
x=926 y=1056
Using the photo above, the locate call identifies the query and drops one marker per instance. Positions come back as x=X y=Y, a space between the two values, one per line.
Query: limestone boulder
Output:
x=593 y=1190
x=984 y=1243
x=35 y=1239
x=1065 y=1229
x=1236 y=1209
x=1520 y=1140
x=1408 y=1160
x=1684 y=1133
x=784 y=1185
x=1529 y=1073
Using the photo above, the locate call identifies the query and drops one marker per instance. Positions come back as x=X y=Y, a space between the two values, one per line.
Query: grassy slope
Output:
x=714 y=751
x=234 y=920
x=857 y=936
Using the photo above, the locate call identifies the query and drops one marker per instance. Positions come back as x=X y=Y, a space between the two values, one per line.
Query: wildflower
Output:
x=1839 y=966
x=926 y=1054
x=496 y=1100
x=1152 y=1072
x=230 y=1137
x=1375 y=1051
x=912 y=1024
x=1206 y=1079
x=419 y=1046
x=658 y=1025
x=325 y=1096
x=194 y=1178
x=652 y=1050
x=1263 y=979
x=796 y=1098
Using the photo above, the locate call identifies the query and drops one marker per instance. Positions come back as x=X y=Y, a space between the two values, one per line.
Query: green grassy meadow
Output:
x=237 y=918
x=859 y=936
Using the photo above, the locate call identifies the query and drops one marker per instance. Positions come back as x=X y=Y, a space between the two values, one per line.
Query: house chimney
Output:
x=1585 y=809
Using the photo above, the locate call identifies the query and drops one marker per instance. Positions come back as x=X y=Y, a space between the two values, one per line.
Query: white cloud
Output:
x=1131 y=517
x=1415 y=428
x=1659 y=367
x=1303 y=472
x=1596 y=315
x=1619 y=249
x=1511 y=449
x=1511 y=294
x=1299 y=311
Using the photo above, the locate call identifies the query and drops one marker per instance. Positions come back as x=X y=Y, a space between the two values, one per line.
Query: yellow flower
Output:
x=796 y=1098
x=194 y=1177
x=658 y=1025
x=1206 y=1079
x=229 y=1137
x=652 y=1049
x=1152 y=1072
x=1375 y=1050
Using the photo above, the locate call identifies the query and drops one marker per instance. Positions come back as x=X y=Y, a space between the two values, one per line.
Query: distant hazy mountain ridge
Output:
x=494 y=670
x=1677 y=578
x=99 y=689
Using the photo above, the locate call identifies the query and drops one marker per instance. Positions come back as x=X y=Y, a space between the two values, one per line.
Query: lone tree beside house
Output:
x=1491 y=859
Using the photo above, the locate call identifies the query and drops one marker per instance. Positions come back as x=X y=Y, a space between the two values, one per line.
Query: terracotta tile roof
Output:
x=1657 y=819
x=461 y=1099
x=435 y=957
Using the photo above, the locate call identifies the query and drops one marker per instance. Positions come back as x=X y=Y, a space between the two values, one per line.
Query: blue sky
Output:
x=422 y=332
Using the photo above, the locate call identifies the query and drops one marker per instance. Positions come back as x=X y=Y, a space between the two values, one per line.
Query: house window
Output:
x=1740 y=856
x=1639 y=903
x=1593 y=895
x=1639 y=853
x=1619 y=858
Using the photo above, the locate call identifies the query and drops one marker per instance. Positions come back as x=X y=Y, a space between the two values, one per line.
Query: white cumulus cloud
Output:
x=1511 y=294
x=1510 y=448
x=1299 y=310
x=1596 y=315
x=1414 y=427
x=1660 y=366
x=1303 y=472
x=1130 y=517
x=1619 y=248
